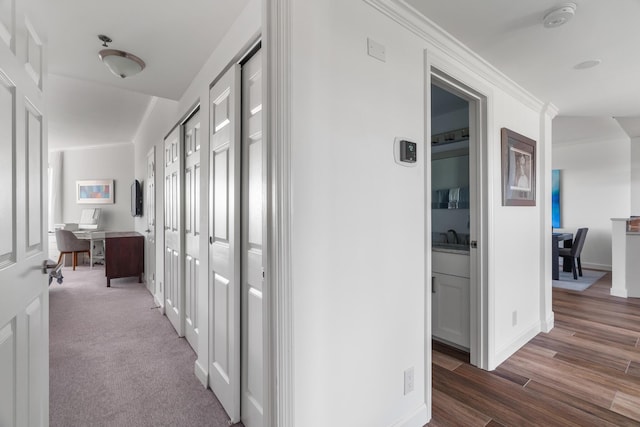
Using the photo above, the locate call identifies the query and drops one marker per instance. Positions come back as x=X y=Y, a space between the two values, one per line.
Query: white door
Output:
x=224 y=242
x=24 y=305
x=191 y=226
x=252 y=244
x=173 y=291
x=150 y=214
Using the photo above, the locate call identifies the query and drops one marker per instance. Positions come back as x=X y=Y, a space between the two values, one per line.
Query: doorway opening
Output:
x=457 y=185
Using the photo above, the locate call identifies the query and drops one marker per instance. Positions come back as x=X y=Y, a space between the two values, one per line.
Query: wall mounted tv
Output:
x=136 y=198
x=555 y=198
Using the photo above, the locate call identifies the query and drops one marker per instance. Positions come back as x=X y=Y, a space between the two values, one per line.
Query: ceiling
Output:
x=510 y=35
x=88 y=105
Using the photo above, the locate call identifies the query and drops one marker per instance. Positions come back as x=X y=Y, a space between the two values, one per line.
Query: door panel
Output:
x=450 y=315
x=191 y=226
x=24 y=305
x=252 y=248
x=174 y=291
x=150 y=214
x=224 y=242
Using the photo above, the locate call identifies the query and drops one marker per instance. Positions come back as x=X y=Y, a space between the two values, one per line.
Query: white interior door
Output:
x=252 y=244
x=150 y=214
x=224 y=242
x=173 y=293
x=191 y=226
x=24 y=304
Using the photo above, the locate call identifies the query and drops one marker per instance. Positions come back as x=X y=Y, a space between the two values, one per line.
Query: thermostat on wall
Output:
x=405 y=152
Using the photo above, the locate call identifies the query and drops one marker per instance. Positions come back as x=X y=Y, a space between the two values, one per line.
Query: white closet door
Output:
x=224 y=243
x=24 y=305
x=252 y=244
x=174 y=291
x=150 y=214
x=191 y=226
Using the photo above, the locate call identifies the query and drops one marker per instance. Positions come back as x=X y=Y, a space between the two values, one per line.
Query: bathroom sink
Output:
x=455 y=246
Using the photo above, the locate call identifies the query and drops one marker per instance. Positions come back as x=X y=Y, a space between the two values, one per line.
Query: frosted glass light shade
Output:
x=122 y=64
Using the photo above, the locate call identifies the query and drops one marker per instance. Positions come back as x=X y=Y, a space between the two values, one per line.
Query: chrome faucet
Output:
x=454 y=235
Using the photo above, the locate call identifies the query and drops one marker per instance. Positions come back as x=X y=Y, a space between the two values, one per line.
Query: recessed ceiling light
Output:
x=587 y=64
x=560 y=15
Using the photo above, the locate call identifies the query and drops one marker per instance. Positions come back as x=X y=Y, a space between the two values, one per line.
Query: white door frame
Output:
x=277 y=26
x=479 y=343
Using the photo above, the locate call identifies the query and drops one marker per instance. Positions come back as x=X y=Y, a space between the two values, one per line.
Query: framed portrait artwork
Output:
x=518 y=169
x=98 y=191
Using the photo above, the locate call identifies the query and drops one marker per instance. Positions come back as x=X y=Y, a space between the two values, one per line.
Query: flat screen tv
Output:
x=136 y=199
x=555 y=198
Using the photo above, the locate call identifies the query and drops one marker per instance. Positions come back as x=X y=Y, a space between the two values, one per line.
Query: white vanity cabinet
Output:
x=450 y=297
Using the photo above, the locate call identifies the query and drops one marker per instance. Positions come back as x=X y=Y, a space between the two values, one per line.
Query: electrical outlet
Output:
x=514 y=318
x=408 y=381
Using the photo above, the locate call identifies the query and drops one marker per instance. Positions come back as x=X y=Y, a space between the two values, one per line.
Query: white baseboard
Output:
x=593 y=266
x=516 y=345
x=417 y=418
x=159 y=303
x=622 y=293
x=547 y=325
x=201 y=373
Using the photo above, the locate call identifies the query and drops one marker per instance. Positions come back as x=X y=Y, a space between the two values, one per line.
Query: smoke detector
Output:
x=559 y=16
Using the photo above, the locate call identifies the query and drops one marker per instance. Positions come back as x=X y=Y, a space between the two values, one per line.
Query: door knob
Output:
x=56 y=270
x=48 y=264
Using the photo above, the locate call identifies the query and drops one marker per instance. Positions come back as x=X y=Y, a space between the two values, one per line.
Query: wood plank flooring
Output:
x=585 y=372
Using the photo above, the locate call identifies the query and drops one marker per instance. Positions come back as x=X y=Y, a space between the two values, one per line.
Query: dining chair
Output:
x=574 y=252
x=68 y=243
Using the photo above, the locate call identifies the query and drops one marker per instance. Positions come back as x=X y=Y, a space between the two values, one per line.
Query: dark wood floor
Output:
x=585 y=372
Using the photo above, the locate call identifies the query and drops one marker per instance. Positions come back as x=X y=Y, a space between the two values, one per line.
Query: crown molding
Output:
x=438 y=39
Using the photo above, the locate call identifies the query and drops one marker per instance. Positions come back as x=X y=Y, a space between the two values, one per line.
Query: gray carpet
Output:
x=589 y=277
x=116 y=361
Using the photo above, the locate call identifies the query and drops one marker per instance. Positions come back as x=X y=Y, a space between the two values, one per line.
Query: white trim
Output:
x=594 y=266
x=548 y=324
x=622 y=293
x=514 y=346
x=200 y=373
x=418 y=418
x=90 y=147
x=438 y=38
x=279 y=363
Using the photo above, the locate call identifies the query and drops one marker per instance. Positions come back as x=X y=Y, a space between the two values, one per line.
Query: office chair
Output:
x=68 y=243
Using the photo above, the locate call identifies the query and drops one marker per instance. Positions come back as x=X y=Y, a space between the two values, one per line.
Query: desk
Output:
x=123 y=253
x=556 y=238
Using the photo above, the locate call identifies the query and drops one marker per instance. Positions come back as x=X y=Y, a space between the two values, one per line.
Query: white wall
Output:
x=359 y=220
x=106 y=162
x=635 y=176
x=594 y=187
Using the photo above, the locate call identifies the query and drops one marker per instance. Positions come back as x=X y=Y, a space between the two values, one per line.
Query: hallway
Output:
x=116 y=361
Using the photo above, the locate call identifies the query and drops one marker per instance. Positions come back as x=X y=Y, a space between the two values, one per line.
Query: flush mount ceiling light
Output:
x=587 y=64
x=122 y=64
x=559 y=16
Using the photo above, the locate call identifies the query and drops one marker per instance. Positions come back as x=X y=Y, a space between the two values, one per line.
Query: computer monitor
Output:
x=89 y=219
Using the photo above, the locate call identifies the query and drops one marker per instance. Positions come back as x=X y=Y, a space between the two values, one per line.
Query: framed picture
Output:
x=518 y=169
x=98 y=191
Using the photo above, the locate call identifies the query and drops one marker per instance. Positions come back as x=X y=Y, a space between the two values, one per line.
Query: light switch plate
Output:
x=376 y=50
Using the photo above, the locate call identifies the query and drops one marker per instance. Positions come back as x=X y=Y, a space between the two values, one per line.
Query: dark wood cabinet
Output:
x=124 y=255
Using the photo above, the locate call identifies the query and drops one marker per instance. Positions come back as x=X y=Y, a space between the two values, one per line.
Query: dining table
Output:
x=567 y=241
